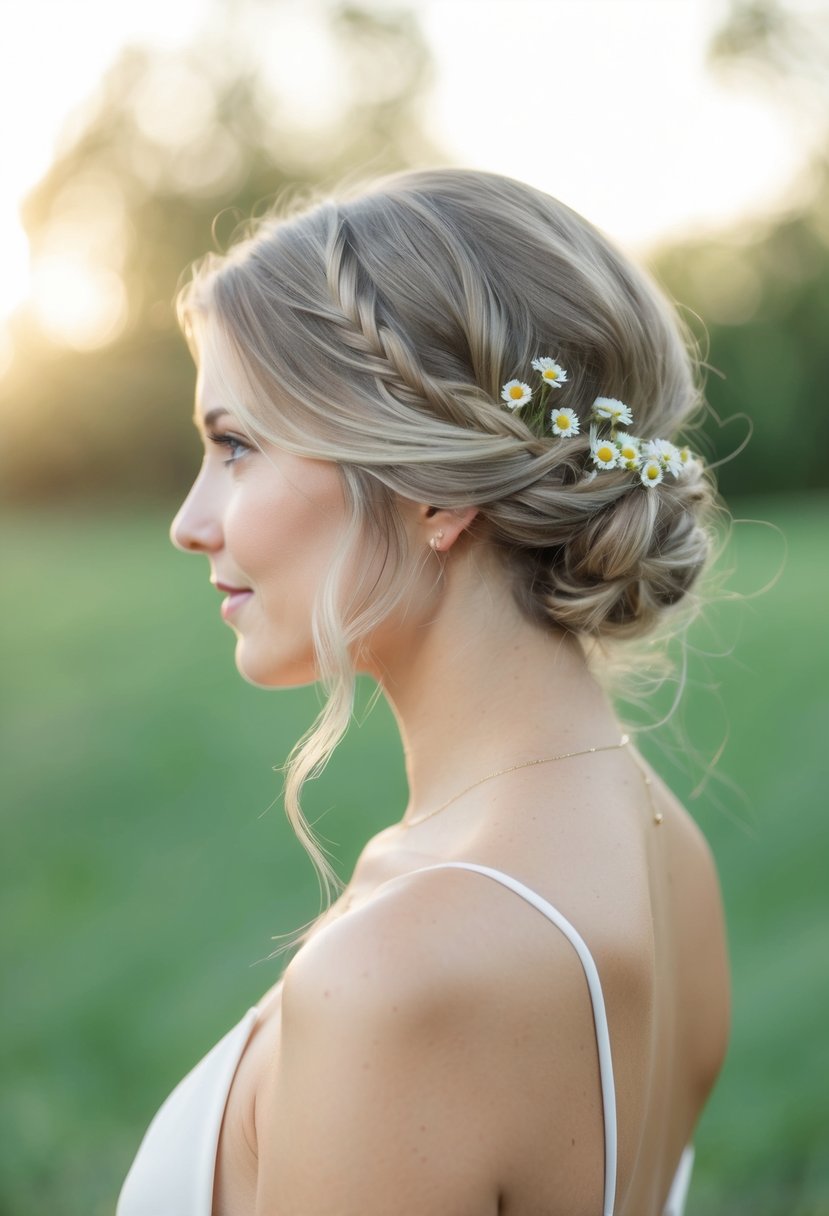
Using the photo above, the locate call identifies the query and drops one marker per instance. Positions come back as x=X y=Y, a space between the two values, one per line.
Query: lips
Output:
x=233 y=602
x=227 y=587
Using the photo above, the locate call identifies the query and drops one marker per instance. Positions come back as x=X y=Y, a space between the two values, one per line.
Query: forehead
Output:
x=212 y=401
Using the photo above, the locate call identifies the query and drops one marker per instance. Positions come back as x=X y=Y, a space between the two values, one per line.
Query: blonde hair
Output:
x=375 y=329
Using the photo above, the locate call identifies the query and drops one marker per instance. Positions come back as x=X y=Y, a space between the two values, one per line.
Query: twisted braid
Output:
x=365 y=325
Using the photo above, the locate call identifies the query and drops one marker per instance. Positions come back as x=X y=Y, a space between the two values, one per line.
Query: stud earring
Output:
x=435 y=539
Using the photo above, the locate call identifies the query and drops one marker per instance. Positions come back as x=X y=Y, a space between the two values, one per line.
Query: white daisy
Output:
x=687 y=458
x=616 y=411
x=666 y=453
x=565 y=422
x=651 y=472
x=516 y=393
x=629 y=450
x=551 y=372
x=605 y=454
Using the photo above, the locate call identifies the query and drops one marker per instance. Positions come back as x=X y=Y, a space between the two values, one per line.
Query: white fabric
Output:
x=172 y=1174
x=675 y=1203
x=173 y=1171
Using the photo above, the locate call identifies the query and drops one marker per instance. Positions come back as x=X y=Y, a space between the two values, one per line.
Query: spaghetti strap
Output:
x=596 y=997
x=675 y=1203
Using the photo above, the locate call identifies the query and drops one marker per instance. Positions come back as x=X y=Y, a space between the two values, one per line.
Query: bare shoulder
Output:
x=441 y=942
x=377 y=1099
x=420 y=952
x=415 y=936
x=408 y=1076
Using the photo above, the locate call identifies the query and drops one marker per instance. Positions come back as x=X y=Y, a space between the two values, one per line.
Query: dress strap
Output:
x=596 y=997
x=675 y=1203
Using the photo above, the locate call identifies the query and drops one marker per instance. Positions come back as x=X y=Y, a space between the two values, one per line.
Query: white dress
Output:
x=172 y=1174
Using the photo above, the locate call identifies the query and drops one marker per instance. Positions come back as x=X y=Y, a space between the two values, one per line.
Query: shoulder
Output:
x=428 y=1040
x=377 y=1100
x=444 y=941
x=412 y=948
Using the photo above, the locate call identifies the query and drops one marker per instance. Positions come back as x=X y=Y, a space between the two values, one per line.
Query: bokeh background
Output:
x=147 y=866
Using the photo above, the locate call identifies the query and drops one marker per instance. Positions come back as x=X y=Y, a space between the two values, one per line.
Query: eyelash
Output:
x=228 y=441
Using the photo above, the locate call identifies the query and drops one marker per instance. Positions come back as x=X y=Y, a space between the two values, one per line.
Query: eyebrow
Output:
x=210 y=417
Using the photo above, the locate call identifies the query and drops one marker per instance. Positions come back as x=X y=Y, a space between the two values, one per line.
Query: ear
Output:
x=444 y=525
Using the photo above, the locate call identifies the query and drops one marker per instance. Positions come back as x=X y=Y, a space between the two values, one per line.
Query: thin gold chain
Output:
x=587 y=751
x=657 y=815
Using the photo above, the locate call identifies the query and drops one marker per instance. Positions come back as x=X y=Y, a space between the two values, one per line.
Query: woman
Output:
x=438 y=419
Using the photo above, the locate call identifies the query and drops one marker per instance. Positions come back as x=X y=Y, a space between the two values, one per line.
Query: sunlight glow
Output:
x=79 y=305
x=49 y=65
x=14 y=281
x=627 y=124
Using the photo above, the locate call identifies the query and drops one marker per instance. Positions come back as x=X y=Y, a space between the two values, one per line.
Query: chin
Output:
x=264 y=670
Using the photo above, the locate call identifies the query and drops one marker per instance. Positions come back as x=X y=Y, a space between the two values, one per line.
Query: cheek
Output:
x=261 y=537
x=273 y=533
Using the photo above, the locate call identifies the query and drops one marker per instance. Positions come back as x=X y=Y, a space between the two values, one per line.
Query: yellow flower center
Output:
x=683 y=455
x=652 y=472
x=628 y=452
x=605 y=452
x=516 y=391
x=563 y=421
x=550 y=373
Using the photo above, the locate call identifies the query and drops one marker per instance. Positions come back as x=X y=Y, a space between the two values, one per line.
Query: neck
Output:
x=475 y=688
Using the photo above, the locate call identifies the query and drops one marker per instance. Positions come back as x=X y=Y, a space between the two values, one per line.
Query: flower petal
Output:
x=516 y=393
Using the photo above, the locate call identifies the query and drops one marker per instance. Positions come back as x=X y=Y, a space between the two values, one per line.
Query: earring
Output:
x=435 y=539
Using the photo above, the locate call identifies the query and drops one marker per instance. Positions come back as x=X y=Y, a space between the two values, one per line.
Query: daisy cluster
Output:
x=618 y=449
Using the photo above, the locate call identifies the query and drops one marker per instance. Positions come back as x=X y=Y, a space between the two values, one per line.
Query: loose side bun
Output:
x=624 y=564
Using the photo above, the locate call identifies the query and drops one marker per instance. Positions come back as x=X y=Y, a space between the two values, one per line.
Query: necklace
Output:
x=587 y=751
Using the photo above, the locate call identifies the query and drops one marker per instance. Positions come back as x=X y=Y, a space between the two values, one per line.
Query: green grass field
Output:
x=147 y=864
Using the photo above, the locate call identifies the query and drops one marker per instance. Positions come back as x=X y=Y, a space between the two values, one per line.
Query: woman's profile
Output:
x=443 y=438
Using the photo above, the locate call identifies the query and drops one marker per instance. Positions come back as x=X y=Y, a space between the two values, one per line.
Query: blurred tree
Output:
x=762 y=289
x=177 y=147
x=161 y=164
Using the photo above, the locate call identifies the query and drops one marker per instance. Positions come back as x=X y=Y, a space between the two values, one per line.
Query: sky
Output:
x=607 y=104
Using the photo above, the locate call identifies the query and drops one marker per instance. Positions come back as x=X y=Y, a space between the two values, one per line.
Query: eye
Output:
x=236 y=446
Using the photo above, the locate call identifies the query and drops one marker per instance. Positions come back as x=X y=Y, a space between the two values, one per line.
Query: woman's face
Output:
x=268 y=522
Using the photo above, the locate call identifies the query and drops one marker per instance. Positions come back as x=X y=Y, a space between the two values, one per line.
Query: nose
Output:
x=196 y=528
